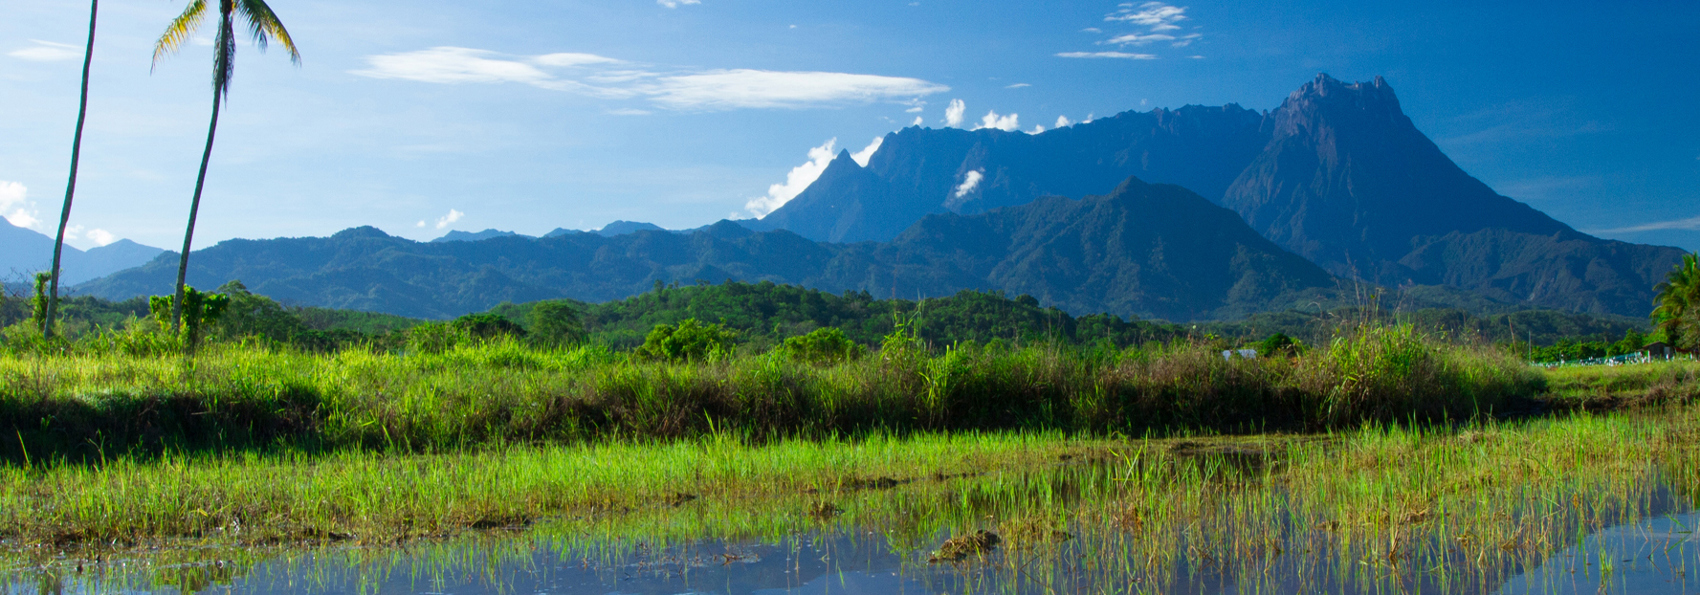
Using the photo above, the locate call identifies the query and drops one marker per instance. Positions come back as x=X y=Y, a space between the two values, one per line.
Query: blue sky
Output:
x=424 y=116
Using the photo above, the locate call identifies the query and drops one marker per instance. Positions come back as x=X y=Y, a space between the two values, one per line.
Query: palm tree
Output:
x=263 y=26
x=71 y=186
x=1678 y=313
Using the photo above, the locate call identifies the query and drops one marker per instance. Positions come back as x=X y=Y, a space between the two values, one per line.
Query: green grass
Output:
x=1377 y=506
x=89 y=406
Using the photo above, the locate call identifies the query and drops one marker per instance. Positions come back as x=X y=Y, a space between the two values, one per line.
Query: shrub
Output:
x=822 y=346
x=555 y=323
x=689 y=341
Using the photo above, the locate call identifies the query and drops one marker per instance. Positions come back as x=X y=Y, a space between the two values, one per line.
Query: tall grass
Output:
x=83 y=407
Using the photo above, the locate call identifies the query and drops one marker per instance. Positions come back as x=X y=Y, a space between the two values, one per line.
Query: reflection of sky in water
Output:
x=1657 y=557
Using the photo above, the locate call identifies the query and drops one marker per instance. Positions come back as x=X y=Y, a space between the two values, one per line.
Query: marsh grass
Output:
x=84 y=407
x=1381 y=508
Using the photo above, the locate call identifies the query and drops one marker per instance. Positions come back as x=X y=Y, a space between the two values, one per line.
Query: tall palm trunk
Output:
x=71 y=186
x=194 y=209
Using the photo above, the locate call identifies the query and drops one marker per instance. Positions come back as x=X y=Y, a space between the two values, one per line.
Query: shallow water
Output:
x=1187 y=524
x=1657 y=556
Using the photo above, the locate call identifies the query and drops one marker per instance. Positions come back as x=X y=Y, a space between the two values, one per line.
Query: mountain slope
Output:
x=1144 y=250
x=1337 y=174
x=917 y=172
x=24 y=251
x=1350 y=183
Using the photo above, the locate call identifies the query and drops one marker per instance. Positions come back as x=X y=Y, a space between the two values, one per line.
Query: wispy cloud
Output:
x=16 y=207
x=1138 y=39
x=953 y=112
x=1155 y=21
x=1018 y=86
x=1156 y=15
x=100 y=237
x=676 y=3
x=1689 y=224
x=1062 y=122
x=449 y=219
x=1117 y=55
x=795 y=182
x=609 y=78
x=47 y=51
x=729 y=89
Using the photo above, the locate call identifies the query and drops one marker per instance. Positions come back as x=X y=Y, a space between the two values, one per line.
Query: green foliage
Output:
x=201 y=310
x=555 y=322
x=1678 y=311
x=1279 y=344
x=38 y=303
x=689 y=341
x=488 y=326
x=826 y=345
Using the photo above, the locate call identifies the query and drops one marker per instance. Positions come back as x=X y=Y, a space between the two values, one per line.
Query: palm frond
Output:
x=224 y=55
x=179 y=30
x=263 y=26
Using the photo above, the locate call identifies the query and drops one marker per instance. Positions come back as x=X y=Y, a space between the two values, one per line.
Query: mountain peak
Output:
x=1325 y=97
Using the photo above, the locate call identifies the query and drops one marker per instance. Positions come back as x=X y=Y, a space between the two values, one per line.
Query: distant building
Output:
x=1228 y=354
x=1660 y=350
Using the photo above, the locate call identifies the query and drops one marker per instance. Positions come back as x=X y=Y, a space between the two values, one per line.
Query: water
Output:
x=1103 y=528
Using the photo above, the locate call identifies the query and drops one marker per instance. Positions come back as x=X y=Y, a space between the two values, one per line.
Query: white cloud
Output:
x=628 y=112
x=1196 y=57
x=571 y=59
x=1062 y=122
x=420 y=224
x=953 y=112
x=1156 y=15
x=970 y=183
x=867 y=152
x=1005 y=123
x=1018 y=86
x=1690 y=224
x=15 y=206
x=676 y=3
x=1118 y=55
x=1038 y=128
x=47 y=51
x=917 y=121
x=452 y=217
x=609 y=78
x=726 y=89
x=1092 y=30
x=1137 y=39
x=101 y=237
x=795 y=182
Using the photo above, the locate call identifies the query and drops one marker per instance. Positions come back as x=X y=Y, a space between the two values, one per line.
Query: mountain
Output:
x=24 y=251
x=917 y=172
x=474 y=236
x=1350 y=183
x=1143 y=250
x=618 y=228
x=1337 y=174
x=1147 y=250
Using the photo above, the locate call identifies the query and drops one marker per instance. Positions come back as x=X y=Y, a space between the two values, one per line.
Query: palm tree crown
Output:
x=263 y=27
x=1678 y=311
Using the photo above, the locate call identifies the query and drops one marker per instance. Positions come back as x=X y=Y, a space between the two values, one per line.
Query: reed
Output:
x=88 y=406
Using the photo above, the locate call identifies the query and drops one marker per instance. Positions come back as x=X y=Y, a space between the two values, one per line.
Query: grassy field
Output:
x=87 y=407
x=250 y=445
x=1378 y=506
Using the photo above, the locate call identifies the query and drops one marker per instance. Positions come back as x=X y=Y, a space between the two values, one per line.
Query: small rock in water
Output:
x=956 y=548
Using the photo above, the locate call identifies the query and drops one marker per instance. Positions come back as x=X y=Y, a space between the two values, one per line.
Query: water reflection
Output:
x=1314 y=519
x=1658 y=556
